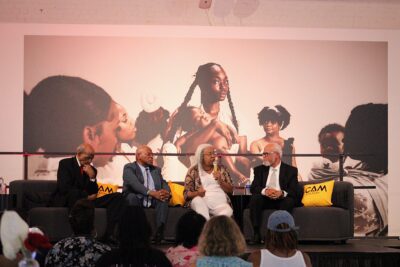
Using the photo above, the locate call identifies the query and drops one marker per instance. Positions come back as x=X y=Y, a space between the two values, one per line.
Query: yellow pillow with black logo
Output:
x=177 y=198
x=318 y=195
x=105 y=189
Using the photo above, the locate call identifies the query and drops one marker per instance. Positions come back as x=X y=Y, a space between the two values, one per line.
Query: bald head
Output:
x=144 y=155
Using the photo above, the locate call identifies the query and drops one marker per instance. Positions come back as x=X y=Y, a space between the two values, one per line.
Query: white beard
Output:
x=266 y=163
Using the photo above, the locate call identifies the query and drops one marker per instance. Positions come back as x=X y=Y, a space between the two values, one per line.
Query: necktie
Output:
x=273 y=183
x=149 y=184
x=81 y=169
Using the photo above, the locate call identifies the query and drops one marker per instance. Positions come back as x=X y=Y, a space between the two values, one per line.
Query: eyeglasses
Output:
x=265 y=154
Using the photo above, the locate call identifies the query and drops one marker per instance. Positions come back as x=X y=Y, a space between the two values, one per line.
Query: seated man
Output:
x=76 y=179
x=144 y=186
x=274 y=186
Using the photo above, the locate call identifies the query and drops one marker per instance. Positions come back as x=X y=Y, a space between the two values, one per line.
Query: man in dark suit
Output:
x=76 y=179
x=144 y=186
x=274 y=186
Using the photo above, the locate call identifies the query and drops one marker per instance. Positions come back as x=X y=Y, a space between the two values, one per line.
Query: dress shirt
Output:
x=277 y=187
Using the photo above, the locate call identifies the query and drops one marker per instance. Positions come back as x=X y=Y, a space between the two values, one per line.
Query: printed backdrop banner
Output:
x=173 y=94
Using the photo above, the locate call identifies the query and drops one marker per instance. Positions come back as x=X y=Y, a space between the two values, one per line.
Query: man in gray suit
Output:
x=144 y=186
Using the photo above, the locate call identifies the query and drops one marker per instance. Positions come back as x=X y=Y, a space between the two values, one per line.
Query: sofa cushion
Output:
x=318 y=195
x=322 y=223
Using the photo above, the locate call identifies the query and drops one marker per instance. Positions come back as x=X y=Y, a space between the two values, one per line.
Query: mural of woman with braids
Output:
x=214 y=89
x=273 y=120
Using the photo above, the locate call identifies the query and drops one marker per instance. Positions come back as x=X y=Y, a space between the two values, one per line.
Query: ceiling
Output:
x=366 y=14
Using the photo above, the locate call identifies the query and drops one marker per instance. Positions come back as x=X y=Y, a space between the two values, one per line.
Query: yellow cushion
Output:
x=318 y=195
x=105 y=189
x=176 y=194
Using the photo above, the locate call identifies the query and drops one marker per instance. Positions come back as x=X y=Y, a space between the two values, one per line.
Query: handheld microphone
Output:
x=215 y=164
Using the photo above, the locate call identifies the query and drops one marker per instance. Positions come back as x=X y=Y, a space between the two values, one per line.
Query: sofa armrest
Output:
x=343 y=195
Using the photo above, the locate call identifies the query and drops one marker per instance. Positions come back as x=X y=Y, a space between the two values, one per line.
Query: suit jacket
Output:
x=133 y=180
x=287 y=179
x=70 y=180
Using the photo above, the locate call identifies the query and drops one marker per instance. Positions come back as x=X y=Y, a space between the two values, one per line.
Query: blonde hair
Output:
x=221 y=237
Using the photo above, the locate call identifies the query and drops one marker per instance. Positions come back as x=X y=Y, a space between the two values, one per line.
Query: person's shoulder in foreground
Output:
x=216 y=261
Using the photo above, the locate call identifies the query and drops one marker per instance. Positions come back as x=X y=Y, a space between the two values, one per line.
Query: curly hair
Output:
x=278 y=114
x=221 y=237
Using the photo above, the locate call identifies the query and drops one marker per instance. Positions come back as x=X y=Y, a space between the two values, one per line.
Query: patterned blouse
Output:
x=76 y=251
x=180 y=256
x=193 y=182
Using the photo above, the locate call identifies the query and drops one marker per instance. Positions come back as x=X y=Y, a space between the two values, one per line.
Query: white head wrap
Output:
x=198 y=156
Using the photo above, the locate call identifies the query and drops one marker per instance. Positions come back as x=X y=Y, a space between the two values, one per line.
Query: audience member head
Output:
x=134 y=229
x=81 y=218
x=366 y=136
x=281 y=232
x=274 y=119
x=272 y=154
x=331 y=140
x=188 y=229
x=144 y=155
x=221 y=237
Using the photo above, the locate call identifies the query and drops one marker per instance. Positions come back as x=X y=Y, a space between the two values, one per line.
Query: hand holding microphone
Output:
x=215 y=165
x=216 y=172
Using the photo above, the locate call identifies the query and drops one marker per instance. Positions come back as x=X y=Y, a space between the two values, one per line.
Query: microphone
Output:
x=215 y=164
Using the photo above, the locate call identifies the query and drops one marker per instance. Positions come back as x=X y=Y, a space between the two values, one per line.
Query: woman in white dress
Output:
x=207 y=184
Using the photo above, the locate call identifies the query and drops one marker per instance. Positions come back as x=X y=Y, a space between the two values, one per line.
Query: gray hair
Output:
x=198 y=157
x=277 y=148
x=80 y=149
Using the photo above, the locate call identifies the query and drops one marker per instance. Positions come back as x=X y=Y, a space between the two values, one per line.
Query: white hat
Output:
x=149 y=102
x=13 y=231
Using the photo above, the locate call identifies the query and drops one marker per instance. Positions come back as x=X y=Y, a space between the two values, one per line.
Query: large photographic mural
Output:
x=173 y=94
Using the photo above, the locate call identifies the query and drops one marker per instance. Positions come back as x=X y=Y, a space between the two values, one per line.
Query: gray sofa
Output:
x=316 y=223
x=32 y=197
x=334 y=223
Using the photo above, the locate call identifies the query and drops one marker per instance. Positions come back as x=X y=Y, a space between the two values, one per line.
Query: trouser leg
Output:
x=161 y=212
x=199 y=205
x=287 y=204
x=224 y=209
x=115 y=204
